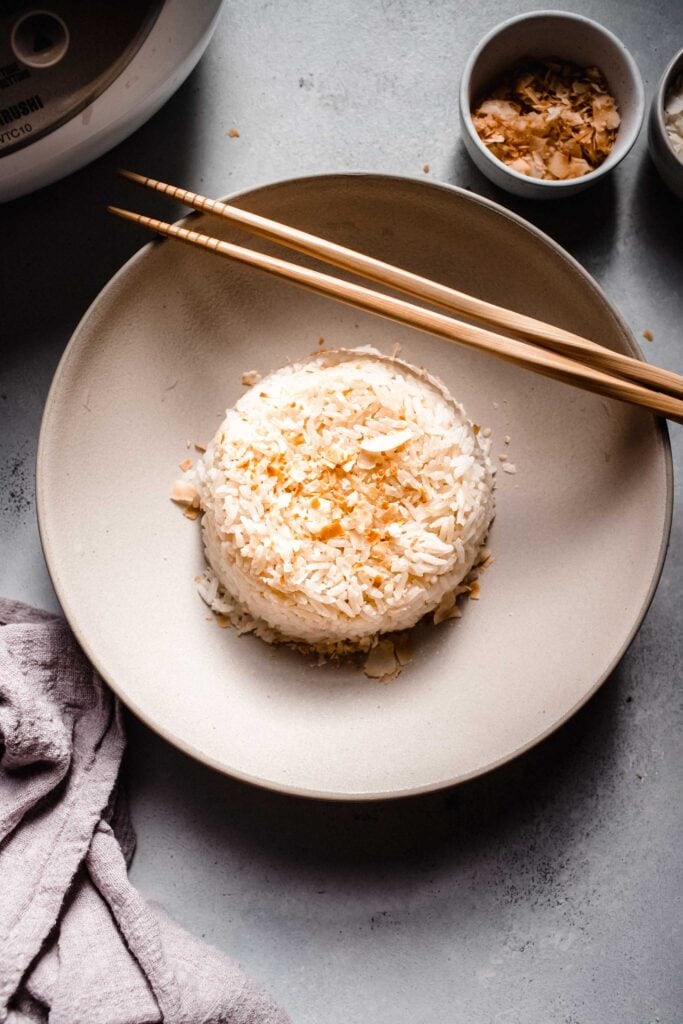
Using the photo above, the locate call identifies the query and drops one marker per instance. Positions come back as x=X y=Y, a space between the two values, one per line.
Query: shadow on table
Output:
x=584 y=224
x=556 y=787
x=65 y=246
x=657 y=219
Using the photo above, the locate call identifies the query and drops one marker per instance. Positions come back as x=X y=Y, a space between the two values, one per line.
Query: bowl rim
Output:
x=674 y=66
x=612 y=159
x=188 y=747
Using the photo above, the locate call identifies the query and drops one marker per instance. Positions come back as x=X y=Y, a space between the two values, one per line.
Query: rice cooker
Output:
x=77 y=77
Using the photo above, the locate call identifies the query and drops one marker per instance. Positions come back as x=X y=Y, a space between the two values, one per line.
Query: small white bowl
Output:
x=665 y=160
x=546 y=34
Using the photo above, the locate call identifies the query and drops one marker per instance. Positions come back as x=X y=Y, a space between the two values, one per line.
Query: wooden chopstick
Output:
x=518 y=324
x=549 y=364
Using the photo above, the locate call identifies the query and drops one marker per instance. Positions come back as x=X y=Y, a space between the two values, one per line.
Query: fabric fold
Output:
x=78 y=943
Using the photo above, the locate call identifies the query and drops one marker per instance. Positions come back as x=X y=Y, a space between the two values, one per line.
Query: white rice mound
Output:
x=342 y=497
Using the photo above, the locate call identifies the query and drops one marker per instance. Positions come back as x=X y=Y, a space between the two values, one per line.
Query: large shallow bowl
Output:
x=578 y=541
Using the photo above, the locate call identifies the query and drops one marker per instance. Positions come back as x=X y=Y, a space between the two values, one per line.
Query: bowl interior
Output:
x=578 y=540
x=671 y=73
x=568 y=38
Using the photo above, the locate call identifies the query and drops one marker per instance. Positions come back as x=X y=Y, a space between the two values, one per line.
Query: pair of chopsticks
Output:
x=528 y=343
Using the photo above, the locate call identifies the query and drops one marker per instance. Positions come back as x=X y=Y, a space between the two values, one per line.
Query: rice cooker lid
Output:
x=55 y=60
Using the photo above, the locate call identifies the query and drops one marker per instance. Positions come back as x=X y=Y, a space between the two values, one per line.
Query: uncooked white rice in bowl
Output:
x=343 y=497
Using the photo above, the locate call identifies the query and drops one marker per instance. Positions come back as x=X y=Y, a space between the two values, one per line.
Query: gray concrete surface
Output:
x=549 y=891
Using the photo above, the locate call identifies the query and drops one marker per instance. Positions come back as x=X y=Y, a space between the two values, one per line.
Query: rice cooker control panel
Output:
x=56 y=59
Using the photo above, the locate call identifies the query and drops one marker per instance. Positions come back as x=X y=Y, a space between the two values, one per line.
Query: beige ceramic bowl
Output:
x=661 y=150
x=578 y=541
x=543 y=34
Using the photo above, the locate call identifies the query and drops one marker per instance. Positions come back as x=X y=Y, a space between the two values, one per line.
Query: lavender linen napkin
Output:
x=78 y=944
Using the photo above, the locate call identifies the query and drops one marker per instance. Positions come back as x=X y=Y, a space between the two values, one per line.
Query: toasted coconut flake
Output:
x=223 y=620
x=559 y=165
x=484 y=555
x=522 y=166
x=403 y=649
x=549 y=119
x=183 y=492
x=381 y=662
x=382 y=443
x=191 y=512
x=251 y=377
x=185 y=465
x=330 y=531
x=200 y=447
x=475 y=590
x=444 y=608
